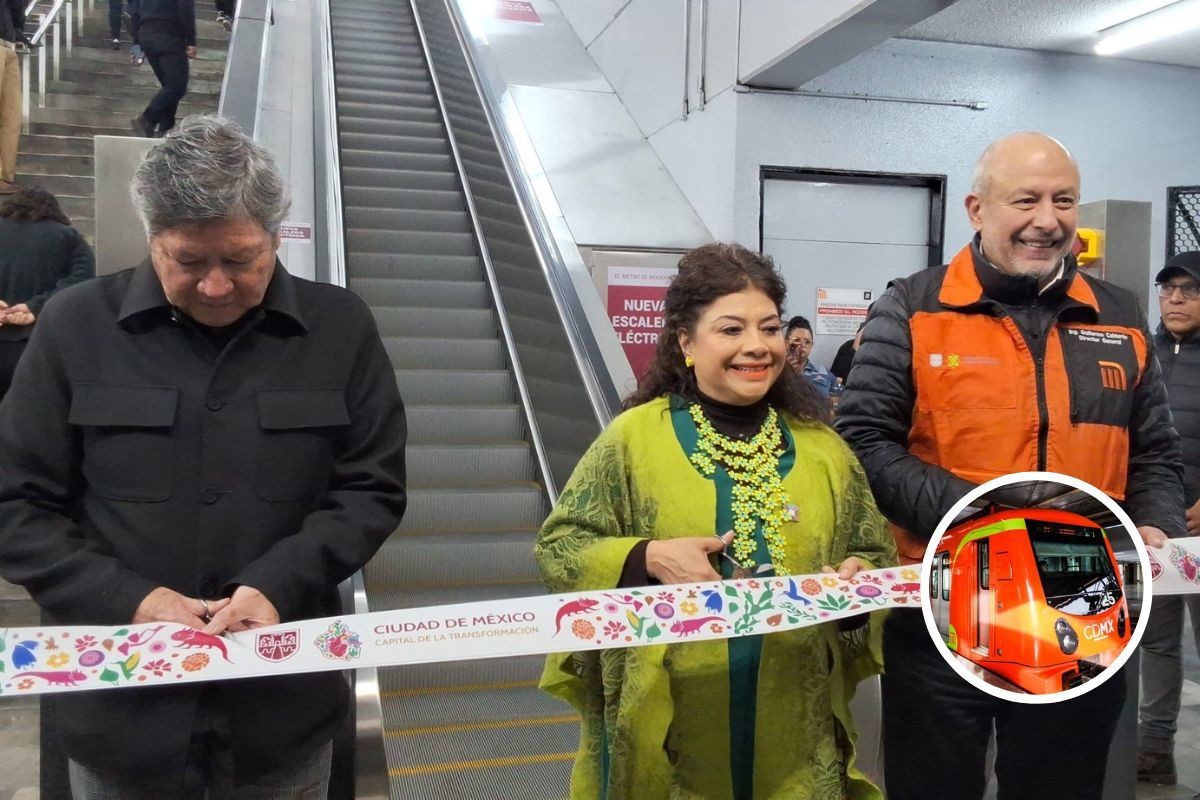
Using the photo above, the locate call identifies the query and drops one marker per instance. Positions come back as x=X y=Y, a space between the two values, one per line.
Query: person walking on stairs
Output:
x=165 y=30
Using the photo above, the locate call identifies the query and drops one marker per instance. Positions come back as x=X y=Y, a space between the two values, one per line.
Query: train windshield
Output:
x=1077 y=575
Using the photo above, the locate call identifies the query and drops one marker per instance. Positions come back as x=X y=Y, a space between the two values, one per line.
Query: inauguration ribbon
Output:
x=1175 y=567
x=77 y=658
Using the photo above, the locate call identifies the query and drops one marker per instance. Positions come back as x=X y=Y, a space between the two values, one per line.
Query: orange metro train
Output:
x=1033 y=595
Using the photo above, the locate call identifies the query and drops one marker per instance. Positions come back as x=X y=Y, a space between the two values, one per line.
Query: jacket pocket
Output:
x=128 y=445
x=300 y=433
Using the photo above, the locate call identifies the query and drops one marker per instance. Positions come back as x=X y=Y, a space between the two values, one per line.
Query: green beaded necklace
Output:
x=758 y=495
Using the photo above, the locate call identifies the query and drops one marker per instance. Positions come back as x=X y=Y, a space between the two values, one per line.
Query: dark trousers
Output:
x=936 y=728
x=114 y=17
x=168 y=58
x=226 y=7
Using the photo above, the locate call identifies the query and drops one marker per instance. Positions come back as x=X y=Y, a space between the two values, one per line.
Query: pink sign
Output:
x=635 y=308
x=295 y=232
x=517 y=11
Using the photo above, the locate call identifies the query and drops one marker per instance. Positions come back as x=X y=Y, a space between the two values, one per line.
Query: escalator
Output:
x=477 y=729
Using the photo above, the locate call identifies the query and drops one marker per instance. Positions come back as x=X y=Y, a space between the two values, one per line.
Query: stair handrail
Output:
x=49 y=24
x=601 y=391
x=535 y=436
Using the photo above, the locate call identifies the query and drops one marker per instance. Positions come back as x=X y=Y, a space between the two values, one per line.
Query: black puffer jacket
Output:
x=1181 y=372
x=880 y=409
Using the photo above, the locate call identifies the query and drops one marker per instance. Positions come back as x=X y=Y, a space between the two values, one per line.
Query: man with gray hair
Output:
x=205 y=440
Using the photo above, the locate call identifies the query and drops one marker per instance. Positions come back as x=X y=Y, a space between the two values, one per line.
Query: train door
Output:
x=940 y=592
x=983 y=604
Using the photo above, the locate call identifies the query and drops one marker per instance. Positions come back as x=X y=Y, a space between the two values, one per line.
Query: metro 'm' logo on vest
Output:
x=1112 y=375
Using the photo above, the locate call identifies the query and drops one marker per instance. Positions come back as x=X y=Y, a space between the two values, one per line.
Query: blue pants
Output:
x=114 y=17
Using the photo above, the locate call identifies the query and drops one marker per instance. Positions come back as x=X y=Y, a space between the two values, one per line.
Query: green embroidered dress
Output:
x=758 y=717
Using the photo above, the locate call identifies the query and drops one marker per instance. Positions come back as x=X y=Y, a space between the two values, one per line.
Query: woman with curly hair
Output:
x=40 y=254
x=721 y=466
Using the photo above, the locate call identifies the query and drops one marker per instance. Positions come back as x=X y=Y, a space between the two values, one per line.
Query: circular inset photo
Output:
x=1033 y=587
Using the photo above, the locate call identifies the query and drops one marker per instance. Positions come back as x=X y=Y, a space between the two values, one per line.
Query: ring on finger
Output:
x=207 y=613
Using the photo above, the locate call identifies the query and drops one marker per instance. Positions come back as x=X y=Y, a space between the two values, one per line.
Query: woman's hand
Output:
x=848 y=568
x=684 y=560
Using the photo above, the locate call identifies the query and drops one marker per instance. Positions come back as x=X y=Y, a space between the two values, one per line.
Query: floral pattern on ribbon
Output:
x=126 y=656
x=740 y=607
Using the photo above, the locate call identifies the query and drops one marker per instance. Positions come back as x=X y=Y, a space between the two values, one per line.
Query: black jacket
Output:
x=38 y=259
x=880 y=407
x=176 y=18
x=12 y=20
x=1181 y=372
x=134 y=453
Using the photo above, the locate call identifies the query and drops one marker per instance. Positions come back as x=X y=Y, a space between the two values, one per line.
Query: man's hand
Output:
x=164 y=605
x=1193 y=519
x=848 y=568
x=248 y=608
x=684 y=560
x=1152 y=536
x=191 y=51
x=17 y=315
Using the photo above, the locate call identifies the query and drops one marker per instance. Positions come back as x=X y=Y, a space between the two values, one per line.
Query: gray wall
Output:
x=1135 y=128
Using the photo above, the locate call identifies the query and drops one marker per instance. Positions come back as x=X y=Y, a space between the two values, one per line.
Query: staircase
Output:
x=98 y=93
x=470 y=729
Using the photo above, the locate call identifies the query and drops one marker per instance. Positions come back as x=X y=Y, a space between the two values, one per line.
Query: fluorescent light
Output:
x=1167 y=21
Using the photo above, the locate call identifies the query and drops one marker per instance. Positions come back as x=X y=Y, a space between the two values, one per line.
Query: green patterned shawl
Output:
x=656 y=718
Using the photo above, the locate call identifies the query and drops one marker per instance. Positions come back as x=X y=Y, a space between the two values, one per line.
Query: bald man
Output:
x=1007 y=359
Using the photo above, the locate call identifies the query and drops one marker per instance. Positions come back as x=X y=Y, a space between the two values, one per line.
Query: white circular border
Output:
x=952 y=658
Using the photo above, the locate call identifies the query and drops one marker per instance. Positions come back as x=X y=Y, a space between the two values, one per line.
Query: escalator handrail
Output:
x=370 y=758
x=535 y=436
x=601 y=391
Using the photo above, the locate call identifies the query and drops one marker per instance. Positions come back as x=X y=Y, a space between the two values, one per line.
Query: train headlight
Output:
x=1121 y=623
x=1068 y=640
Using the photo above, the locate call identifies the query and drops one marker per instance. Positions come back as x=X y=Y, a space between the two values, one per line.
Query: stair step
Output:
x=441 y=464
x=411 y=243
x=477 y=509
x=454 y=559
x=468 y=424
x=451 y=323
x=452 y=387
x=59 y=184
x=402 y=292
x=41 y=144
x=407 y=219
x=409 y=352
x=406 y=198
x=54 y=164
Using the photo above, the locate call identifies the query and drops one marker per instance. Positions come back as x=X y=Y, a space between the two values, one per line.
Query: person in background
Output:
x=114 y=21
x=759 y=716
x=225 y=11
x=1177 y=344
x=1007 y=359
x=845 y=356
x=799 y=338
x=12 y=25
x=165 y=32
x=40 y=254
x=207 y=441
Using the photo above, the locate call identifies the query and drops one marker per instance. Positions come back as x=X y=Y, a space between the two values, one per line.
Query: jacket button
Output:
x=209 y=495
x=208 y=587
x=214 y=403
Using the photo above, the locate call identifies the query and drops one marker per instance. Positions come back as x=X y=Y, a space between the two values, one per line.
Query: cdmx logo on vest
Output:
x=951 y=361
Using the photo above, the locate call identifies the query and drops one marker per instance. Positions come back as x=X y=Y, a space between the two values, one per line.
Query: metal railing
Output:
x=60 y=23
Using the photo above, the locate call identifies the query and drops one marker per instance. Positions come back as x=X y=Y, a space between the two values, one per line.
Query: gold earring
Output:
x=688 y=362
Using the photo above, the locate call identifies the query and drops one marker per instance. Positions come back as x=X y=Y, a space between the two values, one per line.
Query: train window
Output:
x=1075 y=568
x=934 y=573
x=984 y=562
x=945 y=570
